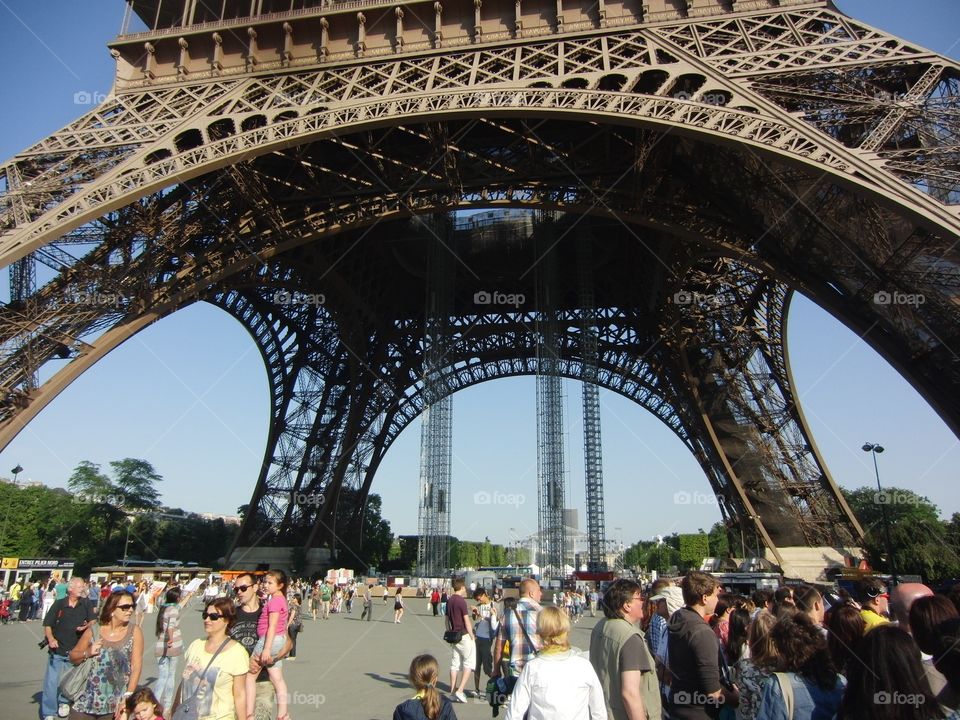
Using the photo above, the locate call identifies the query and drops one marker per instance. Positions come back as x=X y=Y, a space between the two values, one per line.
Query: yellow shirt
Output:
x=215 y=689
x=872 y=620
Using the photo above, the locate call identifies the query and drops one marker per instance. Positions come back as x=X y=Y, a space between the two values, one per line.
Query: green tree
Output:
x=719 y=540
x=469 y=554
x=921 y=542
x=130 y=489
x=693 y=549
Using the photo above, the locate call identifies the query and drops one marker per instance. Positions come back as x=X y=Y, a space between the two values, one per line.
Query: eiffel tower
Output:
x=291 y=162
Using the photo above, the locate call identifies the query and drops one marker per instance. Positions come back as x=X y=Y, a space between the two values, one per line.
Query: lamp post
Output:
x=875 y=449
x=3 y=534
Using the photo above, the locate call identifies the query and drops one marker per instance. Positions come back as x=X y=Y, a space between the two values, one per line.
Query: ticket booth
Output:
x=35 y=569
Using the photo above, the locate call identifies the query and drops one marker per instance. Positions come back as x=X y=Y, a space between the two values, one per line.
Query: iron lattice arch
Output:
x=717 y=163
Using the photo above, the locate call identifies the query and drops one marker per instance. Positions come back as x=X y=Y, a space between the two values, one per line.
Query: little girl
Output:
x=428 y=703
x=271 y=637
x=143 y=705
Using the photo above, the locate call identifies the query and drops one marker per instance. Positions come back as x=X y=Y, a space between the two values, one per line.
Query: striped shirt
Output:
x=521 y=650
x=170 y=630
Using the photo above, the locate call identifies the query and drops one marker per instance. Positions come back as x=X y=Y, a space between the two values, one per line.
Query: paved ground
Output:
x=345 y=668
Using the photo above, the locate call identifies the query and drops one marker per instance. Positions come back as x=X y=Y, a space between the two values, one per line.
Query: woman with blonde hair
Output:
x=559 y=683
x=428 y=703
x=752 y=669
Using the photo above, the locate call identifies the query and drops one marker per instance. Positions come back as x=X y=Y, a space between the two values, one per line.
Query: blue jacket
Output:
x=810 y=701
x=413 y=710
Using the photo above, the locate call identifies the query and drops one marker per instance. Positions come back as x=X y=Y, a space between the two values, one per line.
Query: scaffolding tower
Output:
x=436 y=430
x=592 y=449
x=550 y=461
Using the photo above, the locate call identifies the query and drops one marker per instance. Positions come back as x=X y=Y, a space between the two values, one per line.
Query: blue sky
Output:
x=189 y=394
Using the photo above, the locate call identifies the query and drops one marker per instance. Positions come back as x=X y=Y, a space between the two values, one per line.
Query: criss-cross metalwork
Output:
x=718 y=157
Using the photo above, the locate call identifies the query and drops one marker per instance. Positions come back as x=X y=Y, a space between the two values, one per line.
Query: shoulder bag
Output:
x=189 y=709
x=74 y=679
x=452 y=636
x=786 y=689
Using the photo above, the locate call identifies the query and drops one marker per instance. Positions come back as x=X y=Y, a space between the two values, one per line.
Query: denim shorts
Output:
x=278 y=642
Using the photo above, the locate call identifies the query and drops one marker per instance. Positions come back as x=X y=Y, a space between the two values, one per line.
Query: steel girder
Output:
x=796 y=148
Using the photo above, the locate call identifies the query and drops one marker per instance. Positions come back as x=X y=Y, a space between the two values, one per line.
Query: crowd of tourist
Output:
x=686 y=651
x=694 y=652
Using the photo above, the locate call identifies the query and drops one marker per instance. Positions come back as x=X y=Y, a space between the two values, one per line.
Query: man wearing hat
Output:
x=669 y=599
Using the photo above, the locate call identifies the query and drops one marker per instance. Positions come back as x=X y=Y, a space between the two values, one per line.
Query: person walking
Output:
x=63 y=624
x=315 y=600
x=215 y=668
x=464 y=651
x=486 y=623
x=519 y=629
x=117 y=654
x=621 y=657
x=559 y=683
x=169 y=647
x=398 y=605
x=295 y=624
x=435 y=601
x=26 y=603
x=326 y=593
x=367 y=603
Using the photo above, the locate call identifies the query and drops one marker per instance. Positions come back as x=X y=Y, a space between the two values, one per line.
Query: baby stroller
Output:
x=5 y=610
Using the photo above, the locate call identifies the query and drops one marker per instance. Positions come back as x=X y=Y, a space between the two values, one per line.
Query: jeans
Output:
x=166 y=680
x=51 y=699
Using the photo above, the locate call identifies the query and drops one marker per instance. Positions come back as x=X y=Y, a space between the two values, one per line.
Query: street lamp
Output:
x=875 y=449
x=16 y=471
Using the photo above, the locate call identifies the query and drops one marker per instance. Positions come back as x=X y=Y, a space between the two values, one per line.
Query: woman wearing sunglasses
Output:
x=117 y=654
x=216 y=668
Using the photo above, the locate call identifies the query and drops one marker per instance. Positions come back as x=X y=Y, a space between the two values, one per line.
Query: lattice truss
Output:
x=813 y=150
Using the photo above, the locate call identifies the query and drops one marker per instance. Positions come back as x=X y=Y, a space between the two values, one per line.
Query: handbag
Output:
x=189 y=709
x=74 y=679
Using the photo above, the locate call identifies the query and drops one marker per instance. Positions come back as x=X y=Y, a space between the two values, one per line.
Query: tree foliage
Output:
x=921 y=543
x=101 y=516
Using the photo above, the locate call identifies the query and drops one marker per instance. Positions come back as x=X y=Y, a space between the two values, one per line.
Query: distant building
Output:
x=227 y=519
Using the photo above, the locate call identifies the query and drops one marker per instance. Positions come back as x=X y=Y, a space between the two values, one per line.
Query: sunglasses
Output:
x=124 y=607
x=242 y=588
x=211 y=616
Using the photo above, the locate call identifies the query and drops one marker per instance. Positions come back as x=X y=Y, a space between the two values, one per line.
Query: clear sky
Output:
x=189 y=394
